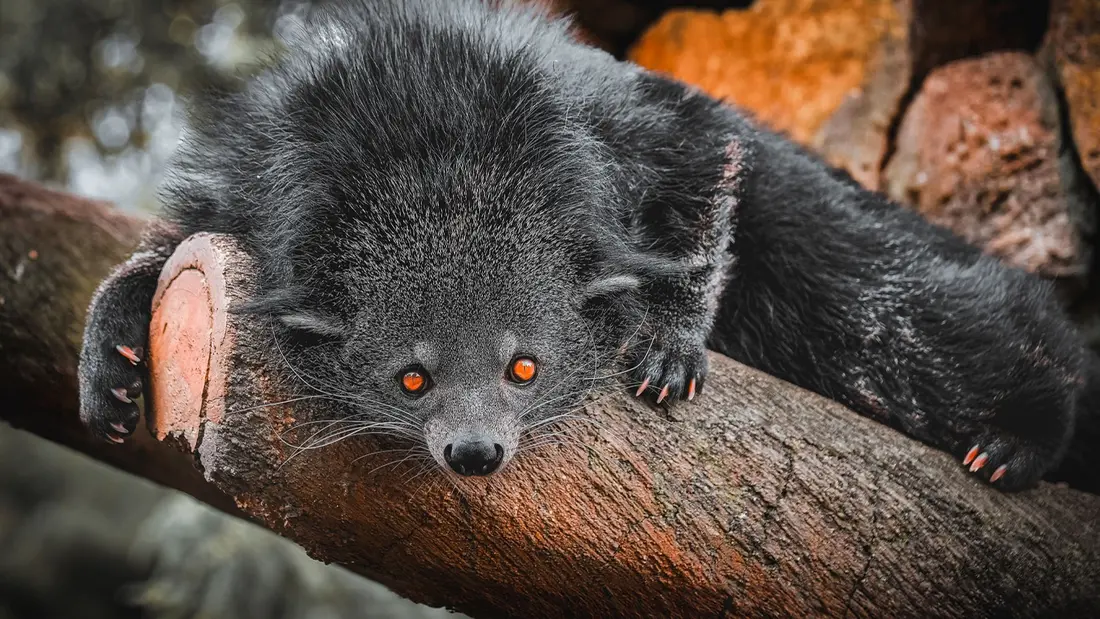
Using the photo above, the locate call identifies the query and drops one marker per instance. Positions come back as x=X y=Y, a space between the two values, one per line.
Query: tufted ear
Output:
x=611 y=284
x=314 y=324
x=628 y=271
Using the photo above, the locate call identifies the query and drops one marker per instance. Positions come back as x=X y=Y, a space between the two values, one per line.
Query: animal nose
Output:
x=473 y=457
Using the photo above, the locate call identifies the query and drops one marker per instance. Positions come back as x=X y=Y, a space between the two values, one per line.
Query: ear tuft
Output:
x=612 y=284
x=314 y=324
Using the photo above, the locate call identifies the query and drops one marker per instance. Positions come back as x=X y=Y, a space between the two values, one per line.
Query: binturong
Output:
x=467 y=223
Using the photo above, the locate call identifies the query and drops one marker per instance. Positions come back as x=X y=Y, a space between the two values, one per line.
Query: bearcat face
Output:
x=456 y=306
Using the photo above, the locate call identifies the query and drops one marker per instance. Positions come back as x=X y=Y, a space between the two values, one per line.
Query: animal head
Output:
x=464 y=311
x=423 y=208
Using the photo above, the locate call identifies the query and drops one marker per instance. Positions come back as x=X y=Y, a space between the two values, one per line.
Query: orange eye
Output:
x=523 y=370
x=414 y=382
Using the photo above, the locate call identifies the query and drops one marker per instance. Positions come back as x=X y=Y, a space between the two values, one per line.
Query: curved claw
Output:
x=979 y=462
x=691 y=390
x=121 y=395
x=663 y=394
x=641 y=390
x=999 y=473
x=115 y=439
x=129 y=353
x=970 y=455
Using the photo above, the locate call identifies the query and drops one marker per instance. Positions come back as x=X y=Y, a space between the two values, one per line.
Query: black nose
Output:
x=473 y=457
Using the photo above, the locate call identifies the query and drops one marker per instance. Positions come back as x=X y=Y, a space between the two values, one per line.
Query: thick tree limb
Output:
x=54 y=250
x=78 y=539
x=760 y=499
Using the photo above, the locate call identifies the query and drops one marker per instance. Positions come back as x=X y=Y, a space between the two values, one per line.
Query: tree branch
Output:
x=80 y=539
x=759 y=499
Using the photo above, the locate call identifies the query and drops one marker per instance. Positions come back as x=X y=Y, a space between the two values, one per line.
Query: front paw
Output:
x=666 y=368
x=111 y=377
x=1006 y=462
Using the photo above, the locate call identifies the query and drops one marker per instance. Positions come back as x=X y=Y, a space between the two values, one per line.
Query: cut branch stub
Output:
x=758 y=499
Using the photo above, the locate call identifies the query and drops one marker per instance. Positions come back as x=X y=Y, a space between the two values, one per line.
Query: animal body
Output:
x=466 y=219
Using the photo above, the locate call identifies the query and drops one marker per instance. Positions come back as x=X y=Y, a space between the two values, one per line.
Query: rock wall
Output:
x=984 y=115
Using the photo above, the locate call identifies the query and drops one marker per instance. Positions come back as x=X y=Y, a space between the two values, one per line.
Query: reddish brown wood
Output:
x=760 y=500
x=55 y=248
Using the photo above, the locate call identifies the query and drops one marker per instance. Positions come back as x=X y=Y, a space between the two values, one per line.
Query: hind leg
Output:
x=1023 y=440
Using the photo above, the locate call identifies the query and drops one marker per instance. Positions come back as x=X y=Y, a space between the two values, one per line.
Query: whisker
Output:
x=287 y=401
x=359 y=432
x=350 y=398
x=384 y=451
x=395 y=462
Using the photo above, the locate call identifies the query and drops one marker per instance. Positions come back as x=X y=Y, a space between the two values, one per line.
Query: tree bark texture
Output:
x=759 y=499
x=78 y=539
x=55 y=248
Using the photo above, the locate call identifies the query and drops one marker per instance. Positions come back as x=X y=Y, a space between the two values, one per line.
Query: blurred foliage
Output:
x=90 y=89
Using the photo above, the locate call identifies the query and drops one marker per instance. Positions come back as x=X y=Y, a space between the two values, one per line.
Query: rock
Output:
x=791 y=62
x=833 y=74
x=1073 y=44
x=980 y=151
x=857 y=137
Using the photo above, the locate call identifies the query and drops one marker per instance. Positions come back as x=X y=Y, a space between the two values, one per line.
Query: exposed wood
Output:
x=760 y=499
x=55 y=248
x=80 y=539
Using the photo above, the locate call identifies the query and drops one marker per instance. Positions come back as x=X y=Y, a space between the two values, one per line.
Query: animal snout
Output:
x=476 y=457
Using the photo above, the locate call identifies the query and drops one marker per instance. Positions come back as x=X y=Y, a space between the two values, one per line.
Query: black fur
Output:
x=443 y=184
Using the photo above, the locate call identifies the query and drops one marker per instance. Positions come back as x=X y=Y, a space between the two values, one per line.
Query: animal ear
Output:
x=611 y=284
x=314 y=324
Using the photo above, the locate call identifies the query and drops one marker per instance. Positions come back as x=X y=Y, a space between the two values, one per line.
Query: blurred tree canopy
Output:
x=89 y=89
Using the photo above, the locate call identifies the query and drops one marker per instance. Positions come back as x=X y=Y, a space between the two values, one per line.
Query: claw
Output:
x=120 y=394
x=663 y=394
x=129 y=353
x=691 y=390
x=641 y=390
x=115 y=439
x=999 y=473
x=121 y=429
x=970 y=455
x=979 y=462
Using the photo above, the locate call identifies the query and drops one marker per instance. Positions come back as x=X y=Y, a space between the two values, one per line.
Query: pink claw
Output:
x=121 y=429
x=120 y=393
x=970 y=455
x=641 y=390
x=691 y=390
x=979 y=462
x=129 y=353
x=999 y=473
x=663 y=394
x=115 y=439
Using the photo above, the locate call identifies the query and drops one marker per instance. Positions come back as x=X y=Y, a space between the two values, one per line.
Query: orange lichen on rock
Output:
x=790 y=62
x=1073 y=41
x=979 y=152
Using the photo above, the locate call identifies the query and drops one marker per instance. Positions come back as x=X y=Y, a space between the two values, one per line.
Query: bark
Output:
x=55 y=248
x=760 y=499
x=78 y=539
